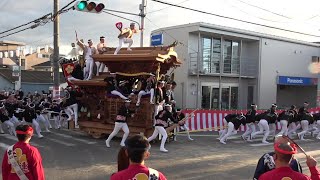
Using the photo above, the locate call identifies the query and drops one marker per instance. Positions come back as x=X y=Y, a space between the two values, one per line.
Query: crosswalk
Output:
x=55 y=138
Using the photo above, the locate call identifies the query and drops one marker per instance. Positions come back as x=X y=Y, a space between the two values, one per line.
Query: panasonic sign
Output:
x=289 y=80
x=156 y=39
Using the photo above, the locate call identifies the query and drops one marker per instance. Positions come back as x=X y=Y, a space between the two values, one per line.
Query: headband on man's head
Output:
x=29 y=131
x=285 y=148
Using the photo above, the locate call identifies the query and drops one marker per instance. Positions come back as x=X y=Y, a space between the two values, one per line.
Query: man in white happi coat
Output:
x=101 y=47
x=125 y=36
x=88 y=51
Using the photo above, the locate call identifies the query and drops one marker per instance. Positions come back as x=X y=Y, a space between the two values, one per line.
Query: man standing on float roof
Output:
x=101 y=49
x=125 y=36
x=88 y=51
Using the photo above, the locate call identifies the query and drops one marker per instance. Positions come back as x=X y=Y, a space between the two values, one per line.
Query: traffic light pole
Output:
x=143 y=6
x=56 y=44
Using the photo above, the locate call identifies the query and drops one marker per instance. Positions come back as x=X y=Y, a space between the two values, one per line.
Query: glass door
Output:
x=205 y=101
x=211 y=97
x=225 y=97
x=215 y=98
x=234 y=98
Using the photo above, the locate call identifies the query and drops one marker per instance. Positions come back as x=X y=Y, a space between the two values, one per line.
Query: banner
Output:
x=212 y=120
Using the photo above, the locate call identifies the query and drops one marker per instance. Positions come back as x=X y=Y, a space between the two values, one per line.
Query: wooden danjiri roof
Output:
x=144 y=59
x=139 y=60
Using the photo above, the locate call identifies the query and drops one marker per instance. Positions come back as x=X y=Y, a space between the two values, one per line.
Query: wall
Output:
x=182 y=91
x=5 y=84
x=285 y=59
x=31 y=87
x=32 y=59
x=296 y=95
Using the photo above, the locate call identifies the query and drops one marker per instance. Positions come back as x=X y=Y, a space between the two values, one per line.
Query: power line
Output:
x=264 y=9
x=166 y=7
x=235 y=19
x=121 y=17
x=181 y=43
x=38 y=22
x=239 y=9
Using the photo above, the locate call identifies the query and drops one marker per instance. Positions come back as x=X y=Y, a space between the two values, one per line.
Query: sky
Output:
x=302 y=16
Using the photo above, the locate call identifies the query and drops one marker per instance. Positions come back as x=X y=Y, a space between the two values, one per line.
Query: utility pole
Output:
x=142 y=8
x=55 y=44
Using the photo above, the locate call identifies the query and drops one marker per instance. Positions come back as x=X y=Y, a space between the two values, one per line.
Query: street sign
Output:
x=15 y=71
x=156 y=39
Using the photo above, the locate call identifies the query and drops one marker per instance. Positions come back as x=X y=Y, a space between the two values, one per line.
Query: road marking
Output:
x=8 y=136
x=15 y=139
x=260 y=144
x=60 y=142
x=196 y=135
x=4 y=146
x=74 y=131
x=74 y=138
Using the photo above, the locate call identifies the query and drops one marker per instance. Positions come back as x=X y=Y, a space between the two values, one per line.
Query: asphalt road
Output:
x=72 y=155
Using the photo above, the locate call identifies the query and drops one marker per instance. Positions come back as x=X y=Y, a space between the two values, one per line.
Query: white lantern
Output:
x=11 y=53
x=17 y=52
x=38 y=50
x=1 y=55
x=31 y=50
x=46 y=49
x=6 y=54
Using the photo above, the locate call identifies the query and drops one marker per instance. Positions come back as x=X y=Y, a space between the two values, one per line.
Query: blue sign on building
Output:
x=156 y=39
x=304 y=81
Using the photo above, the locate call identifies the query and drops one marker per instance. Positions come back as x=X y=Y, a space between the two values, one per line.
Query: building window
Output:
x=235 y=59
x=211 y=52
x=231 y=57
x=206 y=54
x=23 y=62
x=227 y=52
x=43 y=55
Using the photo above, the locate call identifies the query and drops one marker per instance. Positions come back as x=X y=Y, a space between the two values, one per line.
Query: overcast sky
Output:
x=302 y=16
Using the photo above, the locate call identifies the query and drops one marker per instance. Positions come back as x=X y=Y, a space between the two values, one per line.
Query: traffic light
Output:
x=87 y=6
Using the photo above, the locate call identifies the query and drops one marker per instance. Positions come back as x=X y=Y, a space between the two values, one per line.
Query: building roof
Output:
x=44 y=64
x=237 y=30
x=37 y=77
x=5 y=43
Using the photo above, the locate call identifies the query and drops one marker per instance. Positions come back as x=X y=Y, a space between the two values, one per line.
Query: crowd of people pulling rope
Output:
x=291 y=120
x=36 y=109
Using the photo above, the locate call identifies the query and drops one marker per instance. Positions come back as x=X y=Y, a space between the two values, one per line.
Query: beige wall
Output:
x=33 y=59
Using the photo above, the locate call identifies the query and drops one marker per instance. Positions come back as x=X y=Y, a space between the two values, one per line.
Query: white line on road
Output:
x=15 y=139
x=8 y=136
x=74 y=138
x=260 y=144
x=73 y=131
x=4 y=146
x=60 y=142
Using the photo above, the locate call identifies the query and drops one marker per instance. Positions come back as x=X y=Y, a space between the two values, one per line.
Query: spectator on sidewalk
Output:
x=267 y=163
x=21 y=160
x=137 y=149
x=123 y=160
x=282 y=157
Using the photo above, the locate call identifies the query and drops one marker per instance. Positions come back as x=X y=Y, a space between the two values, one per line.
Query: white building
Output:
x=237 y=67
